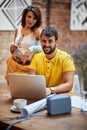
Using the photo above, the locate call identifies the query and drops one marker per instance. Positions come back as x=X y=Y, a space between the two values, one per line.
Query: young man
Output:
x=57 y=66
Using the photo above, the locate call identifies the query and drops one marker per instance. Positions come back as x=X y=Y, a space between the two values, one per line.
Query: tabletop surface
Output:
x=76 y=120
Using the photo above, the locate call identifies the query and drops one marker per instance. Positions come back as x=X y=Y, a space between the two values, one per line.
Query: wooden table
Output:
x=76 y=120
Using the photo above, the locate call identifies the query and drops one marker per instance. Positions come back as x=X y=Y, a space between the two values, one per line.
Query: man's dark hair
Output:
x=49 y=32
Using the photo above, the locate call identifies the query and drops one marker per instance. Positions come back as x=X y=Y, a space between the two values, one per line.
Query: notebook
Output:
x=27 y=86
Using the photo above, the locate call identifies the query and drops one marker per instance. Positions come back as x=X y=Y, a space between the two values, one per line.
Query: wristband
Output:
x=52 y=90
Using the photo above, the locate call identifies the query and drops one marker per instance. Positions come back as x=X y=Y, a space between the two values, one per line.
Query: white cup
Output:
x=20 y=103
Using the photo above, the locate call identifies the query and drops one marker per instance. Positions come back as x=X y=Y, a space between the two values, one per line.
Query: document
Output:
x=34 y=107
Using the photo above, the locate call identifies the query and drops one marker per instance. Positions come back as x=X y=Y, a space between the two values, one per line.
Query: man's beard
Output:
x=48 y=49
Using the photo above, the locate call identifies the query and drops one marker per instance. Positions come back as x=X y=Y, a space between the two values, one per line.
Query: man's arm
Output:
x=66 y=86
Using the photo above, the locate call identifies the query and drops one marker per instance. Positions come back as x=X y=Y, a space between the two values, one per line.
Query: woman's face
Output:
x=30 y=19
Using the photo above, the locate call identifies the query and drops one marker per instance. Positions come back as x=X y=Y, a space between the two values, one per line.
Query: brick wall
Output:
x=59 y=18
x=5 y=41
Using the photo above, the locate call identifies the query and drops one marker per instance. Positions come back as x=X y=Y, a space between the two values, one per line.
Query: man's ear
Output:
x=57 y=41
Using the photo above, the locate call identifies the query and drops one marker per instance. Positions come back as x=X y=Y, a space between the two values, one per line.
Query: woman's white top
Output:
x=27 y=42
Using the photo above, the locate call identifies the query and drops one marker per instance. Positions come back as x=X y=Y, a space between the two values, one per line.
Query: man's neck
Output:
x=50 y=56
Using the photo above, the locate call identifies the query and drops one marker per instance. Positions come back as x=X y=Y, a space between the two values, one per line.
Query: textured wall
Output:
x=59 y=18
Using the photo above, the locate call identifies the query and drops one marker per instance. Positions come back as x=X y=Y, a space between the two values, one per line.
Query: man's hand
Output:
x=48 y=91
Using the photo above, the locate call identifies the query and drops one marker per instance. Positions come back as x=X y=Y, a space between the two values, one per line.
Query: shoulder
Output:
x=64 y=56
x=62 y=53
x=37 y=33
x=18 y=30
x=66 y=60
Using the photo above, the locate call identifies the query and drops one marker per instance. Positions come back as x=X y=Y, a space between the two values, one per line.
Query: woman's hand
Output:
x=25 y=56
x=13 y=48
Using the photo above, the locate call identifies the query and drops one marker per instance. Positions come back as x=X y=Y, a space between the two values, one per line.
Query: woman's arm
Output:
x=13 y=47
x=15 y=35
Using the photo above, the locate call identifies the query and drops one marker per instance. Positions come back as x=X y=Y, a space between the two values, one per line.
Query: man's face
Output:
x=48 y=44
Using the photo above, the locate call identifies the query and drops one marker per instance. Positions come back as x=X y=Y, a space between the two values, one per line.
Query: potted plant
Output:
x=80 y=59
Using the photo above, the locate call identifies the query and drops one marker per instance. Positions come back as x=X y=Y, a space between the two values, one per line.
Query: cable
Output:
x=22 y=118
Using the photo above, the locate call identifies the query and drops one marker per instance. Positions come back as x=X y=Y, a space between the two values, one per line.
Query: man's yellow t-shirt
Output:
x=54 y=68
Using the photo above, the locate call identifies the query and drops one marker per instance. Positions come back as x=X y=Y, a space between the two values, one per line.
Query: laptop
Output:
x=27 y=86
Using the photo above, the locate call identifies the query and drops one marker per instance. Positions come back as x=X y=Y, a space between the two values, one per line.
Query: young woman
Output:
x=26 y=41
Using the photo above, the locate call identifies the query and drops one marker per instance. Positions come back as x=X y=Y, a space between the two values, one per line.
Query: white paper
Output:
x=76 y=101
x=34 y=107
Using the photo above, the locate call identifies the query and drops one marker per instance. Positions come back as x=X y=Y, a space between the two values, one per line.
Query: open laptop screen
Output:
x=27 y=86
